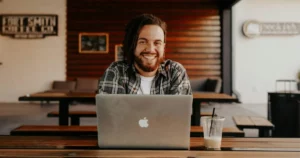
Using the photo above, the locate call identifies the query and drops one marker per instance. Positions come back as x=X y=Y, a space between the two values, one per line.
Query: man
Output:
x=144 y=69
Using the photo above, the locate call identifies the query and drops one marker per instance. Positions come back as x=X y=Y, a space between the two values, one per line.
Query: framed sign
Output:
x=29 y=26
x=119 y=56
x=93 y=42
x=254 y=28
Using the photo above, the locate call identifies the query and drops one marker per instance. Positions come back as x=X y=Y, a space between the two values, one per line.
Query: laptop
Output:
x=143 y=121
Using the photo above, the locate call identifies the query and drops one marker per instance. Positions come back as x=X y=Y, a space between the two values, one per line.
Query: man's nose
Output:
x=150 y=47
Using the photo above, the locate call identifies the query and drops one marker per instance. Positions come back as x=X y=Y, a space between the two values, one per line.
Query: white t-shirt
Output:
x=146 y=83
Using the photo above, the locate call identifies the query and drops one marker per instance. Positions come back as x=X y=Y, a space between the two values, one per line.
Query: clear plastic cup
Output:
x=212 y=131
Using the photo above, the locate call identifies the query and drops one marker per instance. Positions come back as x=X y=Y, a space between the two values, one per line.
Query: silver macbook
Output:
x=144 y=121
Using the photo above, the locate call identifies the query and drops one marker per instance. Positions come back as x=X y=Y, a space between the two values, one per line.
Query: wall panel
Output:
x=193 y=37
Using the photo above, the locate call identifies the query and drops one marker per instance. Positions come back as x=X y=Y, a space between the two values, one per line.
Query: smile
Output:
x=149 y=56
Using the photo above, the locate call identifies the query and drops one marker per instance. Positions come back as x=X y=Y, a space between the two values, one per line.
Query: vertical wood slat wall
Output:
x=193 y=38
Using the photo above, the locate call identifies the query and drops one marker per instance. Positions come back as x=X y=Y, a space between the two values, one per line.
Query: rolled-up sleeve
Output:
x=180 y=83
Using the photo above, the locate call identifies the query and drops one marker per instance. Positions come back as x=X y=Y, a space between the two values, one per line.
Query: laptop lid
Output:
x=144 y=121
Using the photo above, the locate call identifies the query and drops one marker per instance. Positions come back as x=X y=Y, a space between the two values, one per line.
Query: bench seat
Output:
x=76 y=115
x=197 y=131
x=260 y=123
x=53 y=130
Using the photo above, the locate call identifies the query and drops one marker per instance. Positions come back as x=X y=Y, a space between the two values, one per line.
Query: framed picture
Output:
x=93 y=42
x=119 y=52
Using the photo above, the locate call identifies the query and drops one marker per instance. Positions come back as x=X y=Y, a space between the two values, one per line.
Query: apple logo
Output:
x=143 y=122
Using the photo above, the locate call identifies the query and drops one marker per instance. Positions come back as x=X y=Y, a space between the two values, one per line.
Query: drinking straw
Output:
x=211 y=122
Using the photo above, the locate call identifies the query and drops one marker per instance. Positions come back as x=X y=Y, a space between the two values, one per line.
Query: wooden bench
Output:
x=197 y=131
x=76 y=115
x=263 y=125
x=53 y=130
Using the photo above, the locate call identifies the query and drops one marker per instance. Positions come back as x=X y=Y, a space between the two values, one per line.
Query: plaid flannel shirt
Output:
x=121 y=78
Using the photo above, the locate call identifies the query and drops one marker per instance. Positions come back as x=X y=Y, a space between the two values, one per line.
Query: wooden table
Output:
x=260 y=123
x=66 y=98
x=198 y=98
x=90 y=142
x=142 y=153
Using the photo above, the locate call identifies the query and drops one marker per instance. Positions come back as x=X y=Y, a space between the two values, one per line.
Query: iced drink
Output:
x=212 y=142
x=212 y=131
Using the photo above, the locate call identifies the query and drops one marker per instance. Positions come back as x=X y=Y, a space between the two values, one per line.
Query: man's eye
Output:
x=142 y=42
x=157 y=43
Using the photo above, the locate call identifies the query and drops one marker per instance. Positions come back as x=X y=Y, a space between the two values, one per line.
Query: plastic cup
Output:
x=212 y=131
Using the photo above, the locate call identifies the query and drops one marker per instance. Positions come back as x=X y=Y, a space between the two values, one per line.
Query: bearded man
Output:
x=144 y=69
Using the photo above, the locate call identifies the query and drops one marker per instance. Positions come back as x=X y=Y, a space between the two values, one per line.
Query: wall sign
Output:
x=29 y=25
x=255 y=28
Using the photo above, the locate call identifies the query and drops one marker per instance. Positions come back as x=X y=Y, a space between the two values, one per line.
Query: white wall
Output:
x=30 y=65
x=259 y=62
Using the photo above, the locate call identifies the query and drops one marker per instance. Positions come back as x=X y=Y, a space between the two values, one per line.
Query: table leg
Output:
x=63 y=118
x=263 y=132
x=195 y=120
x=75 y=121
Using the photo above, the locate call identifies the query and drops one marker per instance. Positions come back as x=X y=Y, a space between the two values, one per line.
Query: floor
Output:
x=13 y=115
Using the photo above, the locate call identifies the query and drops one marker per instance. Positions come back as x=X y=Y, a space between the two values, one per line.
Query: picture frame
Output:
x=119 y=56
x=93 y=42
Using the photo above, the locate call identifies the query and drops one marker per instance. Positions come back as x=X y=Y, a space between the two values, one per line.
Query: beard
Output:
x=146 y=66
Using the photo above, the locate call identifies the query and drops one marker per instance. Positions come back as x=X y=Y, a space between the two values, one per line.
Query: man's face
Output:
x=149 y=52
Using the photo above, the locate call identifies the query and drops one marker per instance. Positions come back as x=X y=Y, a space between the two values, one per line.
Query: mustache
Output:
x=145 y=53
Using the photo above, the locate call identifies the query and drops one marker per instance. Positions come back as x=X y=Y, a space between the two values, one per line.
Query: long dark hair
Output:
x=132 y=31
